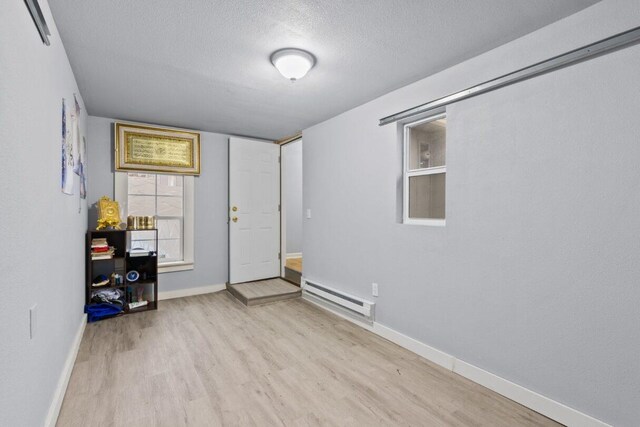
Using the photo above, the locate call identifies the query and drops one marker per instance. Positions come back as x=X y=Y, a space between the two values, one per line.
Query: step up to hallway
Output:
x=293 y=275
x=264 y=291
x=293 y=270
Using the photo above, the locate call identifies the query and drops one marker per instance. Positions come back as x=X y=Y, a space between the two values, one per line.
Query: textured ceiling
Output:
x=204 y=64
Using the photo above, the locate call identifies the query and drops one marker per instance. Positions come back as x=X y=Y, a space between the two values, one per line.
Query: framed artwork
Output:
x=83 y=169
x=159 y=150
x=67 y=154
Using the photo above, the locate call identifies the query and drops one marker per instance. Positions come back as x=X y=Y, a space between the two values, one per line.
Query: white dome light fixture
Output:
x=293 y=63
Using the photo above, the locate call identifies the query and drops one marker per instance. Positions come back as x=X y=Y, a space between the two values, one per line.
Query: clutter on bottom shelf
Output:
x=133 y=305
x=100 y=311
x=113 y=296
x=135 y=293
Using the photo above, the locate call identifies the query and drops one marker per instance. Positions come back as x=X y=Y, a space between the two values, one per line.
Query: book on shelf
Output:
x=107 y=250
x=99 y=242
x=108 y=254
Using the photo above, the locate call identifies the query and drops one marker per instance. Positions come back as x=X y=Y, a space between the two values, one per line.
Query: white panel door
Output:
x=254 y=215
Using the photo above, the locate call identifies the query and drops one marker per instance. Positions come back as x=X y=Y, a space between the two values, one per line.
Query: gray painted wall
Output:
x=211 y=200
x=292 y=194
x=42 y=230
x=535 y=276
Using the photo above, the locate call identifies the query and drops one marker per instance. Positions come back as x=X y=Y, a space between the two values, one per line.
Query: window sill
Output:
x=430 y=222
x=170 y=267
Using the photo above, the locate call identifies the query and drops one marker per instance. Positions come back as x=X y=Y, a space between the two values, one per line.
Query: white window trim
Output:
x=121 y=195
x=406 y=174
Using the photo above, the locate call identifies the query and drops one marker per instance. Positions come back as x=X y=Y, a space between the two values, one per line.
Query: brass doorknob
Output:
x=235 y=208
x=234 y=219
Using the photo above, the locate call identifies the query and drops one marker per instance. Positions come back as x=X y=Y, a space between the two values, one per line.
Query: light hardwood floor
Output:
x=294 y=264
x=208 y=360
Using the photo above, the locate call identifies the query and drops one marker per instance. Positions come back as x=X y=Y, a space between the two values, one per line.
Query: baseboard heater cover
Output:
x=358 y=306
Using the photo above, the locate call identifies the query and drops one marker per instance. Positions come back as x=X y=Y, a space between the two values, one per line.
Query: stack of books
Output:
x=100 y=249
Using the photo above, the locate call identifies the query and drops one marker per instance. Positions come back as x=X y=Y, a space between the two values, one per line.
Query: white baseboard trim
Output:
x=539 y=403
x=294 y=255
x=63 y=381
x=432 y=354
x=180 y=293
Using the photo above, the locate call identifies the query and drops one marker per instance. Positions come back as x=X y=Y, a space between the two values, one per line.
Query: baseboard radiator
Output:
x=348 y=304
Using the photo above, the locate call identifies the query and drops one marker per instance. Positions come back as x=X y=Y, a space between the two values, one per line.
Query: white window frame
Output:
x=418 y=172
x=121 y=195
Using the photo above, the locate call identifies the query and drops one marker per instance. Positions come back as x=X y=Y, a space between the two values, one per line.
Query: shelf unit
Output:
x=123 y=262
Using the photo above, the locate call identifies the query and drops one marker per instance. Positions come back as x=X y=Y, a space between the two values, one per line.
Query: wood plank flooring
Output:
x=293 y=270
x=264 y=291
x=294 y=264
x=209 y=361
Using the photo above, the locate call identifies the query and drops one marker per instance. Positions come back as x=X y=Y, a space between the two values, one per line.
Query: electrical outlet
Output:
x=374 y=289
x=308 y=213
x=33 y=321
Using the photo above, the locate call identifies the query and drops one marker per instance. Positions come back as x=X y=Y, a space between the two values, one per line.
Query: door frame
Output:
x=283 y=216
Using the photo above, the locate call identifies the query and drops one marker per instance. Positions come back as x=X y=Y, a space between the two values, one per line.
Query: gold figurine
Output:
x=109 y=212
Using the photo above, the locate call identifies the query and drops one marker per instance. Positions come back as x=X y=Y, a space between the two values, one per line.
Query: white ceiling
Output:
x=204 y=64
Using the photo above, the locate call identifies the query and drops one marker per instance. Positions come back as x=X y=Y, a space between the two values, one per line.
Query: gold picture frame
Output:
x=156 y=150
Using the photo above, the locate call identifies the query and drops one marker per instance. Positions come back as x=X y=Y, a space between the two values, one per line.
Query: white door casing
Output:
x=254 y=190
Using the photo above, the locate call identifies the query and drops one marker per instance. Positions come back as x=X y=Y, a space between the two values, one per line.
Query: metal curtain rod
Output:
x=569 y=58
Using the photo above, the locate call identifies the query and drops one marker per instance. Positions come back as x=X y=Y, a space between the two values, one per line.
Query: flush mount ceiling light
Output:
x=293 y=63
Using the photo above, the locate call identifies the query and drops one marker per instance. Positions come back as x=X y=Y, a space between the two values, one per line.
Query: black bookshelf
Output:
x=122 y=261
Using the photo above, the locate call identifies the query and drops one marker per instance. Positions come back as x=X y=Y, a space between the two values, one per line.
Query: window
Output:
x=425 y=171
x=170 y=199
